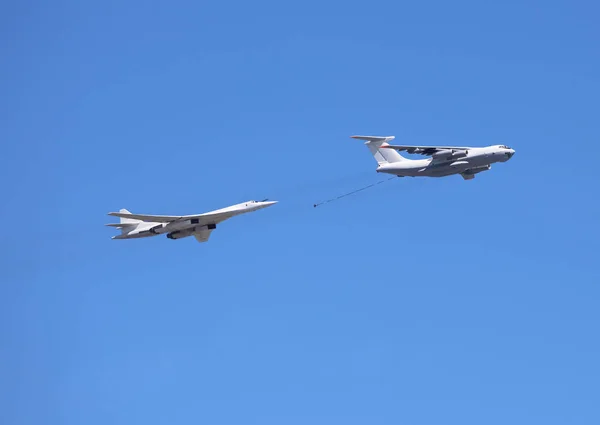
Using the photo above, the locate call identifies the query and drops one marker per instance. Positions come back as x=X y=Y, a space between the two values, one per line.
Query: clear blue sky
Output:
x=432 y=301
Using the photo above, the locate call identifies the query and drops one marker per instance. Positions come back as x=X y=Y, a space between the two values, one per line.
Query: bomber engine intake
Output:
x=178 y=234
x=177 y=225
x=156 y=230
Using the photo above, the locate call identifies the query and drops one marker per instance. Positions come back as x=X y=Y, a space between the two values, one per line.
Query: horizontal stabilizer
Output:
x=374 y=138
x=203 y=218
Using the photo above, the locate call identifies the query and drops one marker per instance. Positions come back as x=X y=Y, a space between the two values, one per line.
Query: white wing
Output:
x=202 y=218
x=374 y=138
x=422 y=150
x=425 y=150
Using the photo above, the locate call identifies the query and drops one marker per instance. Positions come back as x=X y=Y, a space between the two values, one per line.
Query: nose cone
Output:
x=266 y=204
x=510 y=153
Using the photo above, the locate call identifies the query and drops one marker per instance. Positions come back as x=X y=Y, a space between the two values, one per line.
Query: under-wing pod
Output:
x=476 y=170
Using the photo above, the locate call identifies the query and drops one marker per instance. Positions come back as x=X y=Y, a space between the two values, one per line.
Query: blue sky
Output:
x=432 y=301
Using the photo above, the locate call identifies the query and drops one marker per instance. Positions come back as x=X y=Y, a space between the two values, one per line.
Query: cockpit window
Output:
x=504 y=147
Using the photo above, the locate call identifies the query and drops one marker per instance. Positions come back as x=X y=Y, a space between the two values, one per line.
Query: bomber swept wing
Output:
x=174 y=218
x=210 y=217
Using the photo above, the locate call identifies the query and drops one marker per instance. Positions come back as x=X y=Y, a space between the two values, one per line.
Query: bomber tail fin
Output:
x=127 y=221
x=125 y=224
x=382 y=156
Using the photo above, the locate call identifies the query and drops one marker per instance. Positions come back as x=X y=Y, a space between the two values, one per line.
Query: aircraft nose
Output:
x=510 y=153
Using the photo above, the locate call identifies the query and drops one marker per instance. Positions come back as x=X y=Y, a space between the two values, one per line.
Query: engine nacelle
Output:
x=179 y=234
x=443 y=154
x=176 y=225
x=459 y=154
x=157 y=230
x=449 y=154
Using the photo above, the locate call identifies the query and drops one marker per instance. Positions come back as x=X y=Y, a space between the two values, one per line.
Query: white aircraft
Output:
x=176 y=227
x=444 y=161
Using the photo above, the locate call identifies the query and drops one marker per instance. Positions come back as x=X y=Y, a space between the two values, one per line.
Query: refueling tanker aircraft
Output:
x=444 y=161
x=200 y=226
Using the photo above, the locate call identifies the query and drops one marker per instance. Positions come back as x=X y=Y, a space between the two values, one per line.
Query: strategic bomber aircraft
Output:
x=444 y=161
x=176 y=227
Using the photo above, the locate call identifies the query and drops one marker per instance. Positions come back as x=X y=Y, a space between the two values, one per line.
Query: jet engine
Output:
x=174 y=226
x=179 y=234
x=157 y=229
x=442 y=154
x=449 y=154
x=179 y=225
